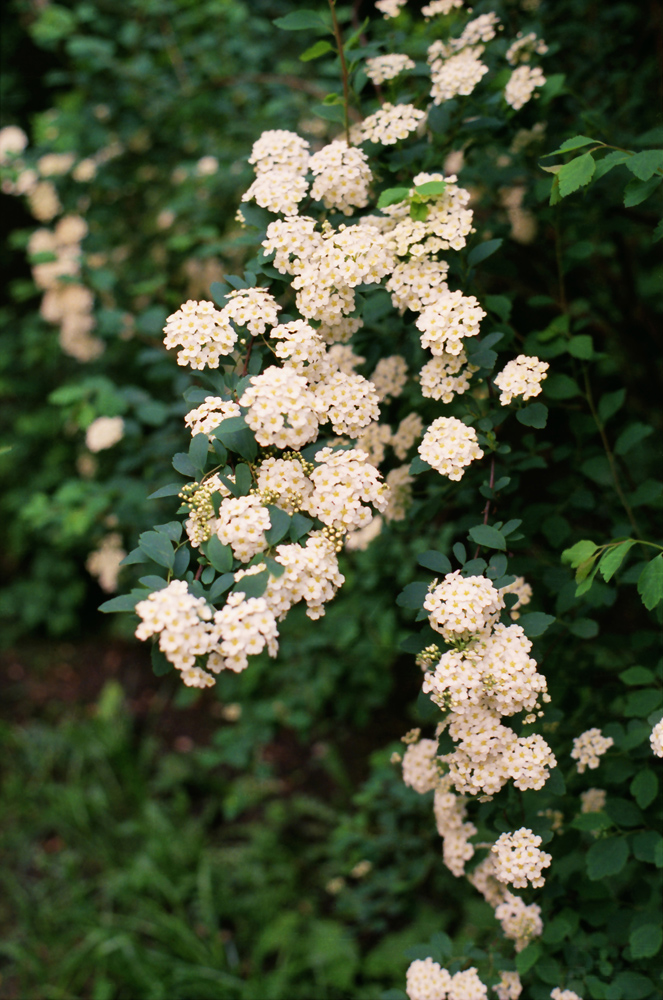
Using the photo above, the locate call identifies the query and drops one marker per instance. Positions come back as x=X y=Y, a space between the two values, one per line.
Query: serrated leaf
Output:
x=534 y=415
x=171 y=490
x=157 y=547
x=576 y=174
x=587 y=822
x=645 y=164
x=198 y=450
x=220 y=555
x=610 y=160
x=644 y=787
x=606 y=857
x=527 y=958
x=613 y=557
x=650 y=583
x=392 y=196
x=535 y=623
x=646 y=941
x=486 y=535
x=315 y=51
x=280 y=524
x=579 y=552
x=634 y=986
x=577 y=142
x=430 y=189
x=413 y=595
x=633 y=435
x=483 y=251
x=435 y=561
x=302 y=20
x=637 y=191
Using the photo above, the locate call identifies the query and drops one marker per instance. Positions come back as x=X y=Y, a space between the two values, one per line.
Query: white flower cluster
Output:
x=390 y=8
x=559 y=994
x=521 y=377
x=283 y=481
x=447 y=320
x=656 y=739
x=399 y=482
x=311 y=575
x=407 y=432
x=427 y=980
x=523 y=47
x=390 y=123
x=253 y=308
x=522 y=84
x=593 y=800
x=519 y=860
x=420 y=767
x=104 y=432
x=202 y=331
x=520 y=922
x=280 y=159
x=417 y=282
x=342 y=176
x=242 y=628
x=104 y=562
x=348 y=402
x=183 y=624
x=389 y=377
x=440 y=7
x=204 y=419
x=382 y=68
x=450 y=811
x=282 y=409
x=446 y=376
x=461 y=606
x=343 y=484
x=445 y=227
x=456 y=73
x=509 y=986
x=588 y=747
x=242 y=523
x=449 y=446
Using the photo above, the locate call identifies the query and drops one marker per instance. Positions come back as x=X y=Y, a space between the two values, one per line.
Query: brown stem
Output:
x=247 y=358
x=486 y=510
x=344 y=70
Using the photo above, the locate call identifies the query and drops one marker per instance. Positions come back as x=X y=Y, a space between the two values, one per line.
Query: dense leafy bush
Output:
x=477 y=204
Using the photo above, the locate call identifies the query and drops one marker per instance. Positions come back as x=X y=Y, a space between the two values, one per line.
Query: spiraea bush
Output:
x=425 y=379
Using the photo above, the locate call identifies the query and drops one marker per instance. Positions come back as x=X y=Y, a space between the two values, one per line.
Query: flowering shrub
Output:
x=372 y=251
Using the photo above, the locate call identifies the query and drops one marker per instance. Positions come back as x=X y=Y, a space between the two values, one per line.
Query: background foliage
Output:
x=205 y=872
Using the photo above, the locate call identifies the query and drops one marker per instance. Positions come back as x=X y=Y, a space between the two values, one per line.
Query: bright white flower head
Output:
x=13 y=141
x=449 y=446
x=206 y=417
x=440 y=7
x=560 y=994
x=522 y=84
x=182 y=623
x=509 y=986
x=520 y=922
x=446 y=376
x=203 y=332
x=426 y=980
x=242 y=523
x=344 y=484
x=342 y=176
x=420 y=769
x=656 y=739
x=277 y=190
x=391 y=123
x=451 y=317
x=460 y=607
x=518 y=859
x=455 y=73
x=280 y=148
x=521 y=377
x=389 y=8
x=281 y=408
x=588 y=747
x=382 y=68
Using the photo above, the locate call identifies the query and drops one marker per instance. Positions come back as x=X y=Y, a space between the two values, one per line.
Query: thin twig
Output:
x=344 y=70
x=486 y=510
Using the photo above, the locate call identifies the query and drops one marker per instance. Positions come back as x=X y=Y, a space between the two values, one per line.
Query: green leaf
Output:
x=613 y=557
x=254 y=585
x=591 y=821
x=182 y=463
x=135 y=556
x=637 y=676
x=560 y=387
x=644 y=787
x=392 y=196
x=171 y=490
x=302 y=20
x=171 y=529
x=610 y=403
x=579 y=552
x=315 y=51
x=610 y=160
x=418 y=465
x=535 y=623
x=418 y=211
x=650 y=583
x=413 y=595
x=221 y=585
x=299 y=526
x=636 y=191
x=606 y=857
x=645 y=164
x=577 y=142
x=243 y=480
x=157 y=547
x=123 y=602
x=153 y=583
x=528 y=957
x=640 y=703
x=581 y=346
x=658 y=232
x=576 y=174
x=584 y=628
x=430 y=189
x=483 y=251
x=280 y=524
x=220 y=555
x=485 y=534
x=160 y=665
x=634 y=986
x=435 y=561
x=633 y=435
x=534 y=415
x=198 y=450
